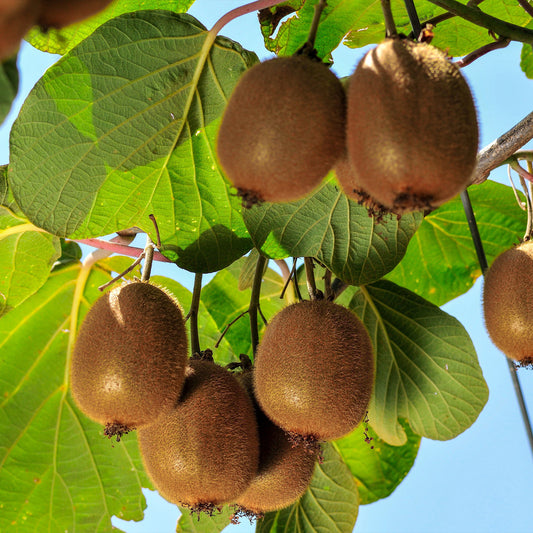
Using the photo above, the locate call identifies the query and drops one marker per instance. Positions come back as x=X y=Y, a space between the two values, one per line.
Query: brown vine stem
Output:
x=390 y=26
x=193 y=313
x=497 y=152
x=254 y=300
x=239 y=12
x=319 y=7
x=476 y=54
x=478 y=17
x=148 y=258
x=528 y=8
x=310 y=275
x=122 y=249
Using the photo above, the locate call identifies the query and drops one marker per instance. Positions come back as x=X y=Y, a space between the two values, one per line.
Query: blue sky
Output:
x=481 y=481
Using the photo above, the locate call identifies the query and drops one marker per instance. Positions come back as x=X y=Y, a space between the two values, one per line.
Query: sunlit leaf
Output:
x=57 y=470
x=141 y=123
x=26 y=258
x=330 y=504
x=427 y=370
x=378 y=467
x=61 y=41
x=337 y=231
x=441 y=262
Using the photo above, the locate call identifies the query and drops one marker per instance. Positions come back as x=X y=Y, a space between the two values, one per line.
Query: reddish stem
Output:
x=121 y=249
x=242 y=10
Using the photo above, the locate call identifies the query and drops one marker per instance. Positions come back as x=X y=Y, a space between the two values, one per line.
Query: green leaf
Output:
x=456 y=35
x=526 y=59
x=191 y=523
x=427 y=370
x=6 y=195
x=335 y=230
x=330 y=504
x=142 y=123
x=9 y=83
x=57 y=471
x=27 y=255
x=225 y=303
x=70 y=253
x=62 y=40
x=208 y=330
x=378 y=467
x=441 y=262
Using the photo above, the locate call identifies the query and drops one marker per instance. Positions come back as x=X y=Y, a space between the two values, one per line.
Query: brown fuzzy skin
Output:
x=314 y=370
x=283 y=129
x=285 y=471
x=412 y=133
x=61 y=13
x=16 y=19
x=206 y=451
x=130 y=356
x=508 y=302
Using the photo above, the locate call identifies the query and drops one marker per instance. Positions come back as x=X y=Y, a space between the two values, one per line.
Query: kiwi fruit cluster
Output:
x=18 y=16
x=406 y=139
x=508 y=302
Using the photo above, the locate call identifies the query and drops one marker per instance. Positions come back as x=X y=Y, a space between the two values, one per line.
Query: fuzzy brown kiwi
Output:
x=314 y=370
x=129 y=360
x=16 y=19
x=508 y=302
x=205 y=451
x=282 y=130
x=285 y=470
x=412 y=132
x=61 y=13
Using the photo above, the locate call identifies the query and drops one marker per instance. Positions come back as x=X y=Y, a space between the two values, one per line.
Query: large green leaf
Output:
x=378 y=467
x=224 y=301
x=441 y=261
x=61 y=41
x=124 y=126
x=427 y=369
x=330 y=504
x=9 y=84
x=57 y=471
x=26 y=258
x=335 y=230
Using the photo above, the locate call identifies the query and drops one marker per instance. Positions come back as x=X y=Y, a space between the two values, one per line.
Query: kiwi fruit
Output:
x=412 y=131
x=285 y=470
x=508 y=302
x=314 y=370
x=129 y=360
x=16 y=19
x=282 y=130
x=205 y=451
x=61 y=13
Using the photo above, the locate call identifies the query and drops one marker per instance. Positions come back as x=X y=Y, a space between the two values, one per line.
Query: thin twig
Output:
x=240 y=11
x=156 y=227
x=527 y=234
x=148 y=258
x=310 y=275
x=122 y=274
x=319 y=7
x=254 y=300
x=413 y=18
x=478 y=17
x=447 y=16
x=528 y=8
x=481 y=51
x=390 y=26
x=522 y=172
x=497 y=152
x=193 y=313
x=122 y=249
x=226 y=329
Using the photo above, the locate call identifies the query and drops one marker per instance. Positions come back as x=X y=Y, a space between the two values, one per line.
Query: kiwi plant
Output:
x=285 y=470
x=60 y=13
x=205 y=451
x=129 y=360
x=314 y=370
x=282 y=130
x=412 y=132
x=508 y=302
